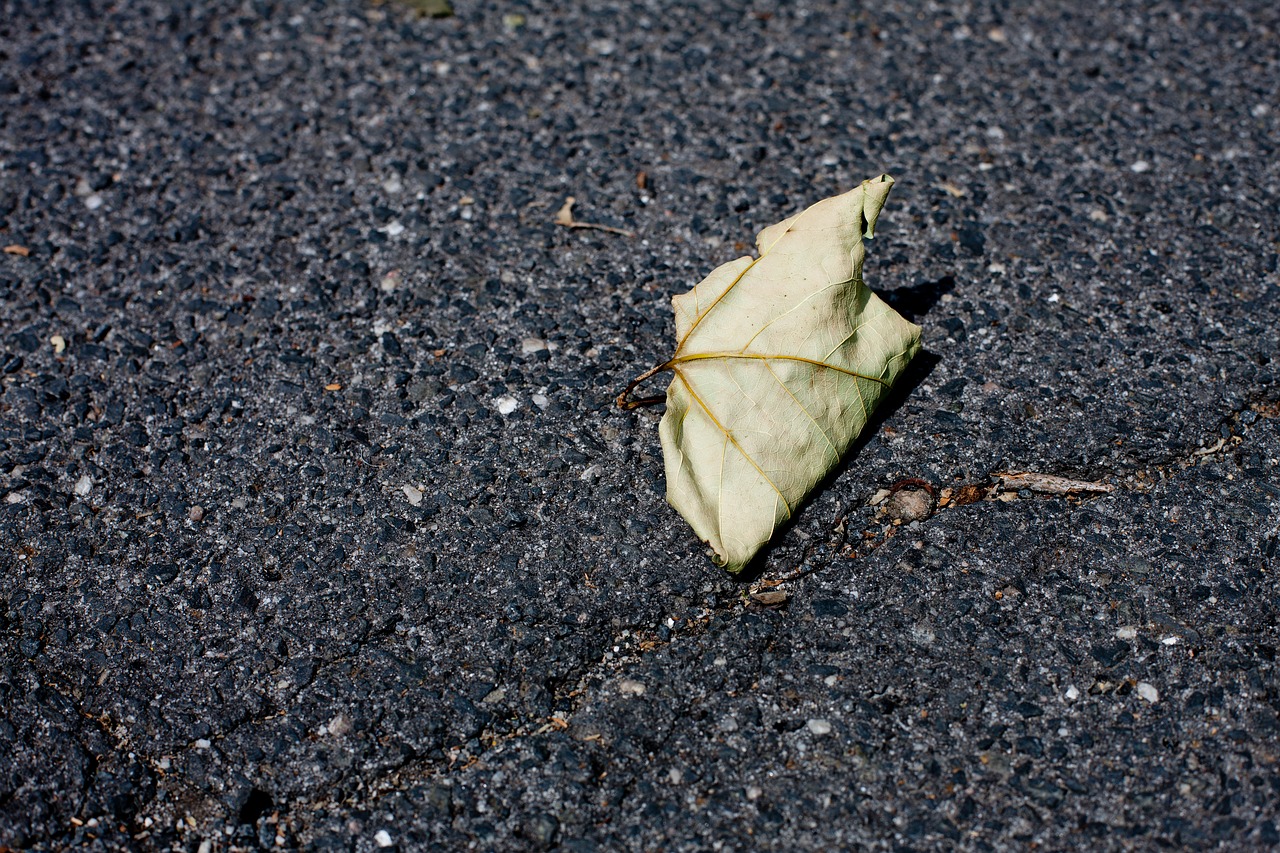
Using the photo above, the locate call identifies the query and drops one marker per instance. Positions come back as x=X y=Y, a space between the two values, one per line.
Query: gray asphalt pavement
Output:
x=319 y=528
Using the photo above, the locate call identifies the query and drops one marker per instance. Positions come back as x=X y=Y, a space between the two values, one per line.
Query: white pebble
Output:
x=203 y=743
x=1140 y=166
x=93 y=202
x=630 y=687
x=506 y=405
x=84 y=485
x=1148 y=691
x=819 y=727
x=382 y=838
x=1171 y=640
x=1072 y=693
x=414 y=495
x=754 y=792
x=393 y=229
x=1126 y=632
x=528 y=346
x=541 y=401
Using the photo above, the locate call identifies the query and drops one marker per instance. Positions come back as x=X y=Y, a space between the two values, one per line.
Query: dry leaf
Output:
x=779 y=363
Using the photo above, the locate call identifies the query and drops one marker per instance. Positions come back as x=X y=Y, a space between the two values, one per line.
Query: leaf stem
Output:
x=628 y=404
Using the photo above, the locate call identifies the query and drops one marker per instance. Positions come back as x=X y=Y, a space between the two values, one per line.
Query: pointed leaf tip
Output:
x=780 y=361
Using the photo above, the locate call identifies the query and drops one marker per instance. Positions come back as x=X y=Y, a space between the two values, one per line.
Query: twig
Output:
x=565 y=217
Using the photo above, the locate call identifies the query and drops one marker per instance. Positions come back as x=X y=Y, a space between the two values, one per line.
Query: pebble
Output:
x=754 y=792
x=529 y=346
x=910 y=505
x=196 y=513
x=819 y=727
x=382 y=838
x=629 y=687
x=59 y=344
x=541 y=401
x=1126 y=632
x=340 y=725
x=506 y=405
x=414 y=495
x=203 y=743
x=84 y=485
x=1072 y=693
x=1148 y=691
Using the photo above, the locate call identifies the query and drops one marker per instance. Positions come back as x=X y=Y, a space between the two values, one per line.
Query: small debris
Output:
x=506 y=404
x=1072 y=693
x=529 y=346
x=84 y=485
x=59 y=344
x=431 y=8
x=15 y=249
x=333 y=386
x=382 y=838
x=769 y=598
x=950 y=189
x=196 y=513
x=414 y=495
x=203 y=743
x=1148 y=691
x=564 y=217
x=1126 y=632
x=628 y=687
x=340 y=725
x=819 y=727
x=879 y=497
x=1048 y=484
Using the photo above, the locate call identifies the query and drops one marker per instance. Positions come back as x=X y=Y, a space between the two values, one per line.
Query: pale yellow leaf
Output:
x=780 y=361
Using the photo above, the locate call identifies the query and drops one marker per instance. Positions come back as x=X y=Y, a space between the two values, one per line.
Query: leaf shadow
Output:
x=917 y=371
x=916 y=300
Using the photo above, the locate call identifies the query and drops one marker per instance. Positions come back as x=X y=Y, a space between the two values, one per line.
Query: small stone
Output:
x=754 y=792
x=910 y=505
x=728 y=724
x=203 y=743
x=382 y=838
x=1139 y=166
x=93 y=202
x=59 y=344
x=1148 y=691
x=1072 y=693
x=1126 y=632
x=541 y=401
x=506 y=405
x=819 y=727
x=340 y=725
x=414 y=495
x=393 y=229
x=628 y=687
x=529 y=346
x=196 y=513
x=84 y=485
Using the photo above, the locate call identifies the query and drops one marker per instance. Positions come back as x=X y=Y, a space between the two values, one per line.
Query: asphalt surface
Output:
x=319 y=528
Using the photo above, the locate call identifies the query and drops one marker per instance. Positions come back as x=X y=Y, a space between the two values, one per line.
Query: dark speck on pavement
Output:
x=319 y=529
